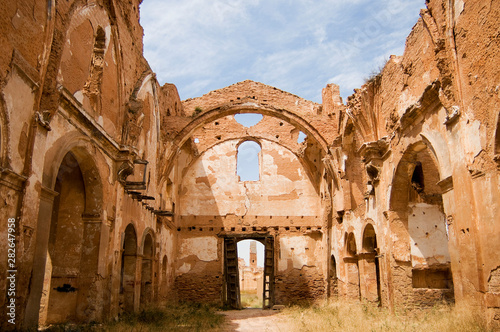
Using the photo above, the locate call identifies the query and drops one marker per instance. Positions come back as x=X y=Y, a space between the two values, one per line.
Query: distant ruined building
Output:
x=251 y=275
x=125 y=195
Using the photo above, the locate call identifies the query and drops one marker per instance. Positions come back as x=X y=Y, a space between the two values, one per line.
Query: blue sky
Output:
x=244 y=252
x=297 y=46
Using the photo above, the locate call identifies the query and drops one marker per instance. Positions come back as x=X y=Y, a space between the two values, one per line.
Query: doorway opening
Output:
x=243 y=286
x=251 y=273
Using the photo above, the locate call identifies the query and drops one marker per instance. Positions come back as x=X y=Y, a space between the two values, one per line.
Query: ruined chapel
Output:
x=125 y=196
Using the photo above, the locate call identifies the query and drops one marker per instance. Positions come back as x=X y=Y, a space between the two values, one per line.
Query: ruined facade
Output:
x=124 y=195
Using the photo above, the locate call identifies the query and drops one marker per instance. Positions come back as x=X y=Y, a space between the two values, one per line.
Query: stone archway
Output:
x=419 y=229
x=334 y=283
x=128 y=270
x=73 y=248
x=352 y=267
x=148 y=254
x=69 y=172
x=369 y=266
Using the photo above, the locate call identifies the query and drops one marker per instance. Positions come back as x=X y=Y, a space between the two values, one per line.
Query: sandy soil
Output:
x=254 y=320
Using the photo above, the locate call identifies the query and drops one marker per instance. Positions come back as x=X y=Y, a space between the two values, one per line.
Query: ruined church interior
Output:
x=126 y=196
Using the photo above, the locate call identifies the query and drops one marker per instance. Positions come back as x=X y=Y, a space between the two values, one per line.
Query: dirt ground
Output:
x=254 y=320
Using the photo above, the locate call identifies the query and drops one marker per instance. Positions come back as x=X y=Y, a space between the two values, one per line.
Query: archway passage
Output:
x=65 y=268
x=351 y=262
x=251 y=273
x=164 y=278
x=128 y=270
x=333 y=282
x=233 y=285
x=369 y=266
x=147 y=271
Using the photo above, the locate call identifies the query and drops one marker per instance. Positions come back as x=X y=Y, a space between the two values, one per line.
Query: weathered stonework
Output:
x=125 y=196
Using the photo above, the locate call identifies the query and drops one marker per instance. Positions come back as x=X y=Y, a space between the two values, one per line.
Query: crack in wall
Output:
x=248 y=204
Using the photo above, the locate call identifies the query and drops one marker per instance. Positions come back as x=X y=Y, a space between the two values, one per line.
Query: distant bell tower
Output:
x=253 y=254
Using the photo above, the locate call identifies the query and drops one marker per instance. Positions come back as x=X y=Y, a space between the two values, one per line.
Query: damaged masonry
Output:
x=126 y=196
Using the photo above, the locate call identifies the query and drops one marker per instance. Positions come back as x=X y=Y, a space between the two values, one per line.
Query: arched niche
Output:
x=351 y=265
x=333 y=282
x=90 y=67
x=369 y=265
x=164 y=277
x=419 y=226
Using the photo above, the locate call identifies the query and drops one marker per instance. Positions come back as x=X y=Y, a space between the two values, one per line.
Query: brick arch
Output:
x=80 y=147
x=399 y=196
x=148 y=231
x=350 y=247
x=147 y=250
x=231 y=109
x=128 y=268
x=369 y=243
x=130 y=229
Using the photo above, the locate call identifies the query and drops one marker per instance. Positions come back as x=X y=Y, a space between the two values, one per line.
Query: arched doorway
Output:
x=65 y=264
x=334 y=291
x=147 y=271
x=251 y=273
x=369 y=266
x=164 y=277
x=232 y=295
x=352 y=268
x=128 y=270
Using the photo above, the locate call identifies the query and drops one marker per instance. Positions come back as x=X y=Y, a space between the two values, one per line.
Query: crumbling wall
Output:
x=213 y=201
x=199 y=268
x=299 y=275
x=211 y=185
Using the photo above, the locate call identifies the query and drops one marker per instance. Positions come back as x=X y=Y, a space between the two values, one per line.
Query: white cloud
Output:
x=297 y=47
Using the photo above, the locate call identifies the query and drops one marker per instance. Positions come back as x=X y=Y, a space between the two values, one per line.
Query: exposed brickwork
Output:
x=302 y=285
x=199 y=288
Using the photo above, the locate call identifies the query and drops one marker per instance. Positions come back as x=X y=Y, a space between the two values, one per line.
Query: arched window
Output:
x=247 y=166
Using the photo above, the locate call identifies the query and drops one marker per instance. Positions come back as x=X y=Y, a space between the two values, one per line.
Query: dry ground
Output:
x=333 y=316
x=254 y=320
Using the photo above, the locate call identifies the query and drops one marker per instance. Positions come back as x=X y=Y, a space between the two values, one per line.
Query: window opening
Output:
x=248 y=119
x=247 y=165
x=302 y=137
